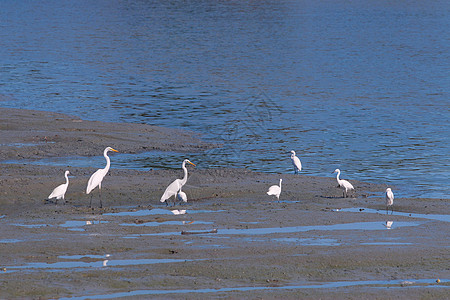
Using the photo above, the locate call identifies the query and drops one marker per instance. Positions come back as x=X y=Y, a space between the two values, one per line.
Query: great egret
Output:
x=275 y=190
x=97 y=177
x=60 y=190
x=182 y=197
x=389 y=200
x=296 y=162
x=175 y=187
x=344 y=184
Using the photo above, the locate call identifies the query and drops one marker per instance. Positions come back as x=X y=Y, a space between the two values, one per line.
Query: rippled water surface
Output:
x=358 y=85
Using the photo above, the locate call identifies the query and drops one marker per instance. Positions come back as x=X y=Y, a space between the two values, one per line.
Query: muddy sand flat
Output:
x=230 y=241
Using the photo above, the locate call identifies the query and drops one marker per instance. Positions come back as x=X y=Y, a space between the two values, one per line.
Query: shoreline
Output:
x=241 y=237
x=59 y=135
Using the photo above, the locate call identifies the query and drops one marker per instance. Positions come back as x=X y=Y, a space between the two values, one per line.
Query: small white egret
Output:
x=388 y=224
x=175 y=186
x=182 y=197
x=97 y=178
x=275 y=190
x=60 y=190
x=296 y=162
x=344 y=184
x=389 y=200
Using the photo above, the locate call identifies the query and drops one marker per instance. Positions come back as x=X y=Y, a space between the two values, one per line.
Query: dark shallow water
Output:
x=362 y=86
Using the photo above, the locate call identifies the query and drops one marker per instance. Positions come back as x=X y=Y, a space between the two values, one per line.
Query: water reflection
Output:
x=389 y=224
x=275 y=230
x=78 y=225
x=443 y=218
x=165 y=223
x=91 y=261
x=159 y=211
x=31 y=225
x=310 y=285
x=8 y=241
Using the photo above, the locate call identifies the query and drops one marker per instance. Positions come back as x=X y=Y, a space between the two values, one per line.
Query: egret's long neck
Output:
x=183 y=181
x=108 y=162
x=280 y=183
x=337 y=176
x=67 y=178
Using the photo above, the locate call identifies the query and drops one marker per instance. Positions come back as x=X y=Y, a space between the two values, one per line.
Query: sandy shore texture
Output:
x=231 y=240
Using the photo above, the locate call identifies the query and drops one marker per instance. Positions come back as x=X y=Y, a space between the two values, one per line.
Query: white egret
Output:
x=182 y=197
x=296 y=162
x=97 y=178
x=389 y=200
x=175 y=186
x=60 y=190
x=344 y=184
x=275 y=190
x=388 y=224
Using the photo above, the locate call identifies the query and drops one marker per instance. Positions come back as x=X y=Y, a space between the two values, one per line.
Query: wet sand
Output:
x=237 y=242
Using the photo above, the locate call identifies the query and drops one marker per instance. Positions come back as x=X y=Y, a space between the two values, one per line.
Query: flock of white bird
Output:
x=275 y=190
x=175 y=188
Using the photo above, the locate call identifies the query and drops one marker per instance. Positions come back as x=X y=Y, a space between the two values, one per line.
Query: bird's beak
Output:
x=332 y=172
x=114 y=150
x=191 y=163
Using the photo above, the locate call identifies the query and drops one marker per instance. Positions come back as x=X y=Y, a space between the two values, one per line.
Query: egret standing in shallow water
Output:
x=175 y=186
x=60 y=190
x=275 y=190
x=344 y=184
x=296 y=162
x=97 y=178
x=389 y=200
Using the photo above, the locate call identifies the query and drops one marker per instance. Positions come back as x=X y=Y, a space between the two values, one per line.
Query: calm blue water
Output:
x=358 y=85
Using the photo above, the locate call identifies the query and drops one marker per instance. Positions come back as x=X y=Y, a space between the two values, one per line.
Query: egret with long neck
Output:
x=60 y=190
x=97 y=178
x=176 y=185
x=389 y=200
x=296 y=162
x=275 y=190
x=344 y=184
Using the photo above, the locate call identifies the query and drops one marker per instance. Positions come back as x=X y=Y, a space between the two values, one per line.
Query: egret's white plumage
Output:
x=182 y=197
x=389 y=200
x=389 y=224
x=176 y=185
x=344 y=184
x=97 y=178
x=60 y=190
x=275 y=190
x=296 y=162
